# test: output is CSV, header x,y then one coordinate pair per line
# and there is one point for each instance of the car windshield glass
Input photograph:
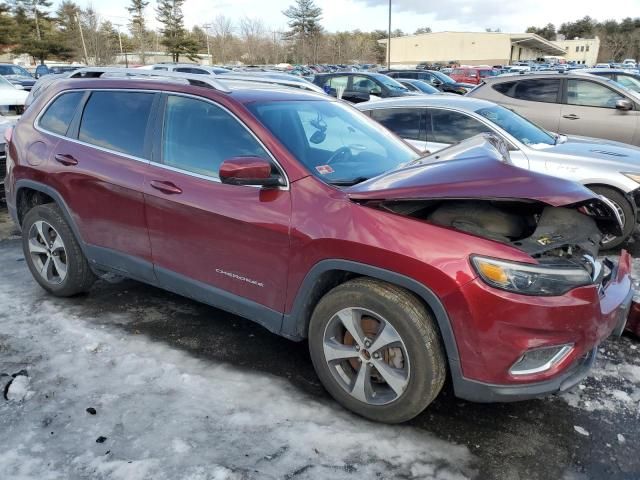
x,y
488,73
13,70
519,127
334,141
390,83
4,83
442,77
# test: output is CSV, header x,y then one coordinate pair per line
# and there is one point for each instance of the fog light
x,y
540,359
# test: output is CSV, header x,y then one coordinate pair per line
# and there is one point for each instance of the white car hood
x,y
598,149
12,96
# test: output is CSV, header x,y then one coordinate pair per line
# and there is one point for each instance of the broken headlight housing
x,y
528,279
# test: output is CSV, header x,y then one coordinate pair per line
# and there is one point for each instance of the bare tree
x,y
222,28
254,35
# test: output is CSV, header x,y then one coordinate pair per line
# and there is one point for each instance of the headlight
x,y
529,279
633,176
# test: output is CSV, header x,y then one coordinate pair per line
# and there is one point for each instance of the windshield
x,y
334,141
13,70
519,127
4,83
488,73
390,83
442,77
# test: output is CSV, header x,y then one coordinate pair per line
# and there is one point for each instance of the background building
x,y
581,50
471,48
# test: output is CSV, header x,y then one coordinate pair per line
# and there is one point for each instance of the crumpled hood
x,y
479,172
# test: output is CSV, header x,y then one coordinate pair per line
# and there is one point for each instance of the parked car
x,y
12,100
360,86
626,78
472,75
17,75
419,86
43,69
188,68
286,207
569,103
437,79
432,123
603,65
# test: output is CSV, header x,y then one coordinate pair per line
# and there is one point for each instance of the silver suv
x,y
574,104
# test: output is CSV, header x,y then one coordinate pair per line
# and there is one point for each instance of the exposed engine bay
x,y
569,235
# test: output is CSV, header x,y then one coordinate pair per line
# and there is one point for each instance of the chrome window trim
x,y
36,125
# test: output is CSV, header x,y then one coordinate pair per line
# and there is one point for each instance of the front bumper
x,y
494,328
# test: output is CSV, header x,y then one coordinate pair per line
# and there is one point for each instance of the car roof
x,y
608,70
434,100
533,76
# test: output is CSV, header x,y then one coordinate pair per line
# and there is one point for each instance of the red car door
x,y
99,170
226,245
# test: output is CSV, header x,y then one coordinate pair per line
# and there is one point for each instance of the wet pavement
x,y
569,437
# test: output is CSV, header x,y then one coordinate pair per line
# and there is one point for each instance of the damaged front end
x,y
558,223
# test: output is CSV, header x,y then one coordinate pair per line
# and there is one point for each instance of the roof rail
x,y
265,79
190,78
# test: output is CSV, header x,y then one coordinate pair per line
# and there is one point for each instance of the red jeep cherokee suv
x,y
298,212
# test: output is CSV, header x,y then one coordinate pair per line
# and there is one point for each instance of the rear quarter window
x,y
58,116
543,90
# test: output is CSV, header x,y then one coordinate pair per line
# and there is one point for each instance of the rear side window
x,y
117,121
191,70
60,113
536,90
452,127
404,122
198,136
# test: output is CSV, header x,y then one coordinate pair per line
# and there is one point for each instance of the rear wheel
x,y
377,350
624,209
53,253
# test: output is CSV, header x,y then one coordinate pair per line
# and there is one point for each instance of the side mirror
x,y
624,104
249,171
435,82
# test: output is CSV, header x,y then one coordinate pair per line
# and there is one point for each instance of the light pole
x,y
84,45
206,33
389,40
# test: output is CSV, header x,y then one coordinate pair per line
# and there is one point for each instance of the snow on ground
x,y
163,414
614,383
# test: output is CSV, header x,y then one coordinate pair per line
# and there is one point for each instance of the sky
x,y
408,15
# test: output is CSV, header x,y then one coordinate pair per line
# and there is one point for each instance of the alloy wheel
x,y
48,252
366,356
609,237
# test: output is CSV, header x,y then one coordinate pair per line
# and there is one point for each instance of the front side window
x,y
198,136
404,122
452,127
58,116
117,121
335,142
627,81
591,94
364,84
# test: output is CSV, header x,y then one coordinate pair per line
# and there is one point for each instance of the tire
x,y
419,362
621,202
47,221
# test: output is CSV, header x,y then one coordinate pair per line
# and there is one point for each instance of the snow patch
x,y
167,415
18,389
581,430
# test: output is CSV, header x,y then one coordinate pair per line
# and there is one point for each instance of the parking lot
x,y
172,380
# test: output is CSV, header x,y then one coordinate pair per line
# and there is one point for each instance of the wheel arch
x,y
30,193
328,274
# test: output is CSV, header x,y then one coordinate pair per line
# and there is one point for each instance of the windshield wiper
x,y
348,183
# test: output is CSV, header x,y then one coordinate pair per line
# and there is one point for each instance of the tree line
x,y
618,40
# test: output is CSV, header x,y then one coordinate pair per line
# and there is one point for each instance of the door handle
x,y
65,159
573,116
166,187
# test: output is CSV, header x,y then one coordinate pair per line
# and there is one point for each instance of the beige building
x,y
580,50
471,48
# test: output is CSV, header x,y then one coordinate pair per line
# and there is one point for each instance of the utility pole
x,y
118,25
84,45
206,33
389,40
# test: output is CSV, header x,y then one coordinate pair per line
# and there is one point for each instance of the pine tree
x,y
169,14
304,23
137,25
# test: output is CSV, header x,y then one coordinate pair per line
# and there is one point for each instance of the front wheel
x,y
377,350
625,210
